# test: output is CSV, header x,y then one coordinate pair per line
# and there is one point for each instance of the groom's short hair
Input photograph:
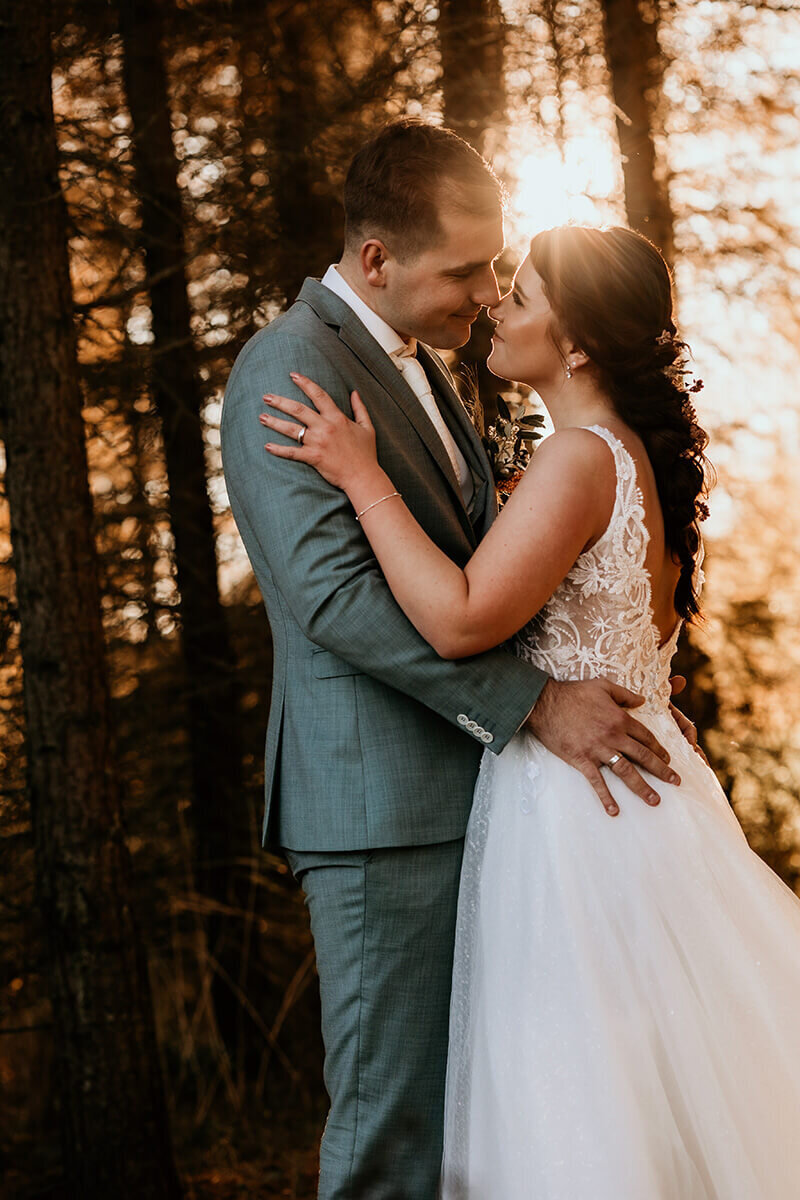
x,y
398,181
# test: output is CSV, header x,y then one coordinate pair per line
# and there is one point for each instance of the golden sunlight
x,y
551,185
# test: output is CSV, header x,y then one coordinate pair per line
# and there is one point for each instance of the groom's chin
x,y
451,338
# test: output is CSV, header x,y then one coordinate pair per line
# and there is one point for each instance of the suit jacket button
x,y
462,719
472,726
487,737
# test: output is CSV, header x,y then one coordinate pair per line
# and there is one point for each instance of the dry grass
x,y
245,1125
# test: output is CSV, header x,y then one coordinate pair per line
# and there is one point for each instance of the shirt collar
x,y
387,338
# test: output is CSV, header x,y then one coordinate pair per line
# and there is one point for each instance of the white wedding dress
x,y
625,1020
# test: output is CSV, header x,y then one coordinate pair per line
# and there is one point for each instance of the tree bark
x,y
471,43
310,222
219,809
114,1119
472,37
634,58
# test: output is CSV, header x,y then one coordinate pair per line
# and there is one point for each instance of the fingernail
x,y
612,810
295,375
653,798
673,778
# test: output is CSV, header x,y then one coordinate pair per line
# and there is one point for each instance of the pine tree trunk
x,y
253,227
114,1119
310,222
219,808
634,57
471,43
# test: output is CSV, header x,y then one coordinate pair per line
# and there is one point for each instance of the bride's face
x,y
522,347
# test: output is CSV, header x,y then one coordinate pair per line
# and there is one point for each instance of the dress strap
x,y
626,527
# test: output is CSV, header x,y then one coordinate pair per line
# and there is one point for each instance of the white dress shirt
x,y
404,356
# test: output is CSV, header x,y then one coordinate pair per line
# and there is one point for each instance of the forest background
x,y
169,174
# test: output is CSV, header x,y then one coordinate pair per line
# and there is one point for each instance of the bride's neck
x,y
577,401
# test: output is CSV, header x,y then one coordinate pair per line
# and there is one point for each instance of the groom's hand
x,y
587,724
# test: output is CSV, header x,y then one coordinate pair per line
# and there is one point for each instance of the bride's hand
x,y
343,451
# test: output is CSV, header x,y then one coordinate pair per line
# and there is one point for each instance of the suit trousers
x,y
383,923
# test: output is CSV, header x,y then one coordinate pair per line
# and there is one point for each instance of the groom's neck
x,y
350,271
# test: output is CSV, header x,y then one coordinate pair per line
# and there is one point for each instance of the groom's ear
x,y
374,257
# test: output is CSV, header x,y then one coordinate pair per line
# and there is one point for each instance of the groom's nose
x,y
485,291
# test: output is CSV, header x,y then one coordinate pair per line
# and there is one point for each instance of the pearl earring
x,y
569,371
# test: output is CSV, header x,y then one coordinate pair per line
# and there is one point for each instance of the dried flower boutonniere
x,y
508,441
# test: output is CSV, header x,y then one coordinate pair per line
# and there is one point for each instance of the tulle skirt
x,y
626,994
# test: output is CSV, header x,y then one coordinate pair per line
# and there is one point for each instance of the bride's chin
x,y
497,363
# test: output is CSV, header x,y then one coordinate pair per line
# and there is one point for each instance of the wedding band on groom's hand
x,y
615,758
302,434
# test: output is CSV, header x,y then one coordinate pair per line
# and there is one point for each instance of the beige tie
x,y
417,380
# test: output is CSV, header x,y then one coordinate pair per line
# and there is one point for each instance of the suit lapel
x,y
379,364
463,431
336,313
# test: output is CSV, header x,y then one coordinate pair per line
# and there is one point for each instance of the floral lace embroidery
x,y
599,620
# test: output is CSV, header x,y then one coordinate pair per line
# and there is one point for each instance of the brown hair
x,y
398,180
611,292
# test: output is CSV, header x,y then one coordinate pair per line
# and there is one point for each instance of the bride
x,y
624,1010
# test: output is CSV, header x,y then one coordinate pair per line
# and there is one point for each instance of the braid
x,y
652,399
611,292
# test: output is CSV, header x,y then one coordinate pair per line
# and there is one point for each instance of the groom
x,y
374,742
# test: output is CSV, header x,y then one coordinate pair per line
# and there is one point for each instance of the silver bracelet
x,y
376,503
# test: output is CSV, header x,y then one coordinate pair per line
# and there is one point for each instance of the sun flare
x,y
550,187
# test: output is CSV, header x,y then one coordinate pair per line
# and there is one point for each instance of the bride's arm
x,y
561,506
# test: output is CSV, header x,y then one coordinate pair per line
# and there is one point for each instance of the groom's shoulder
x,y
300,327
297,323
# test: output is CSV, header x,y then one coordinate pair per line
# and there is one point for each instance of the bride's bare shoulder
x,y
571,481
577,453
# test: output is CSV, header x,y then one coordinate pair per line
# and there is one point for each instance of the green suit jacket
x,y
373,740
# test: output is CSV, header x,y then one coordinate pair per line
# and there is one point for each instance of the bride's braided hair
x,y
611,293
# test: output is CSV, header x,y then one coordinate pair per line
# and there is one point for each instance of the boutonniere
x,y
509,441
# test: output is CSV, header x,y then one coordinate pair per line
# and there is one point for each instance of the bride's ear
x,y
576,357
374,257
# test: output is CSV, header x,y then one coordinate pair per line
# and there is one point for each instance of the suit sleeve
x,y
325,569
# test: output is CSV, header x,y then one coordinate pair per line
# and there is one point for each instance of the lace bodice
x,y
599,620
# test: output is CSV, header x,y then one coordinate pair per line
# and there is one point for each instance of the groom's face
x,y
436,294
